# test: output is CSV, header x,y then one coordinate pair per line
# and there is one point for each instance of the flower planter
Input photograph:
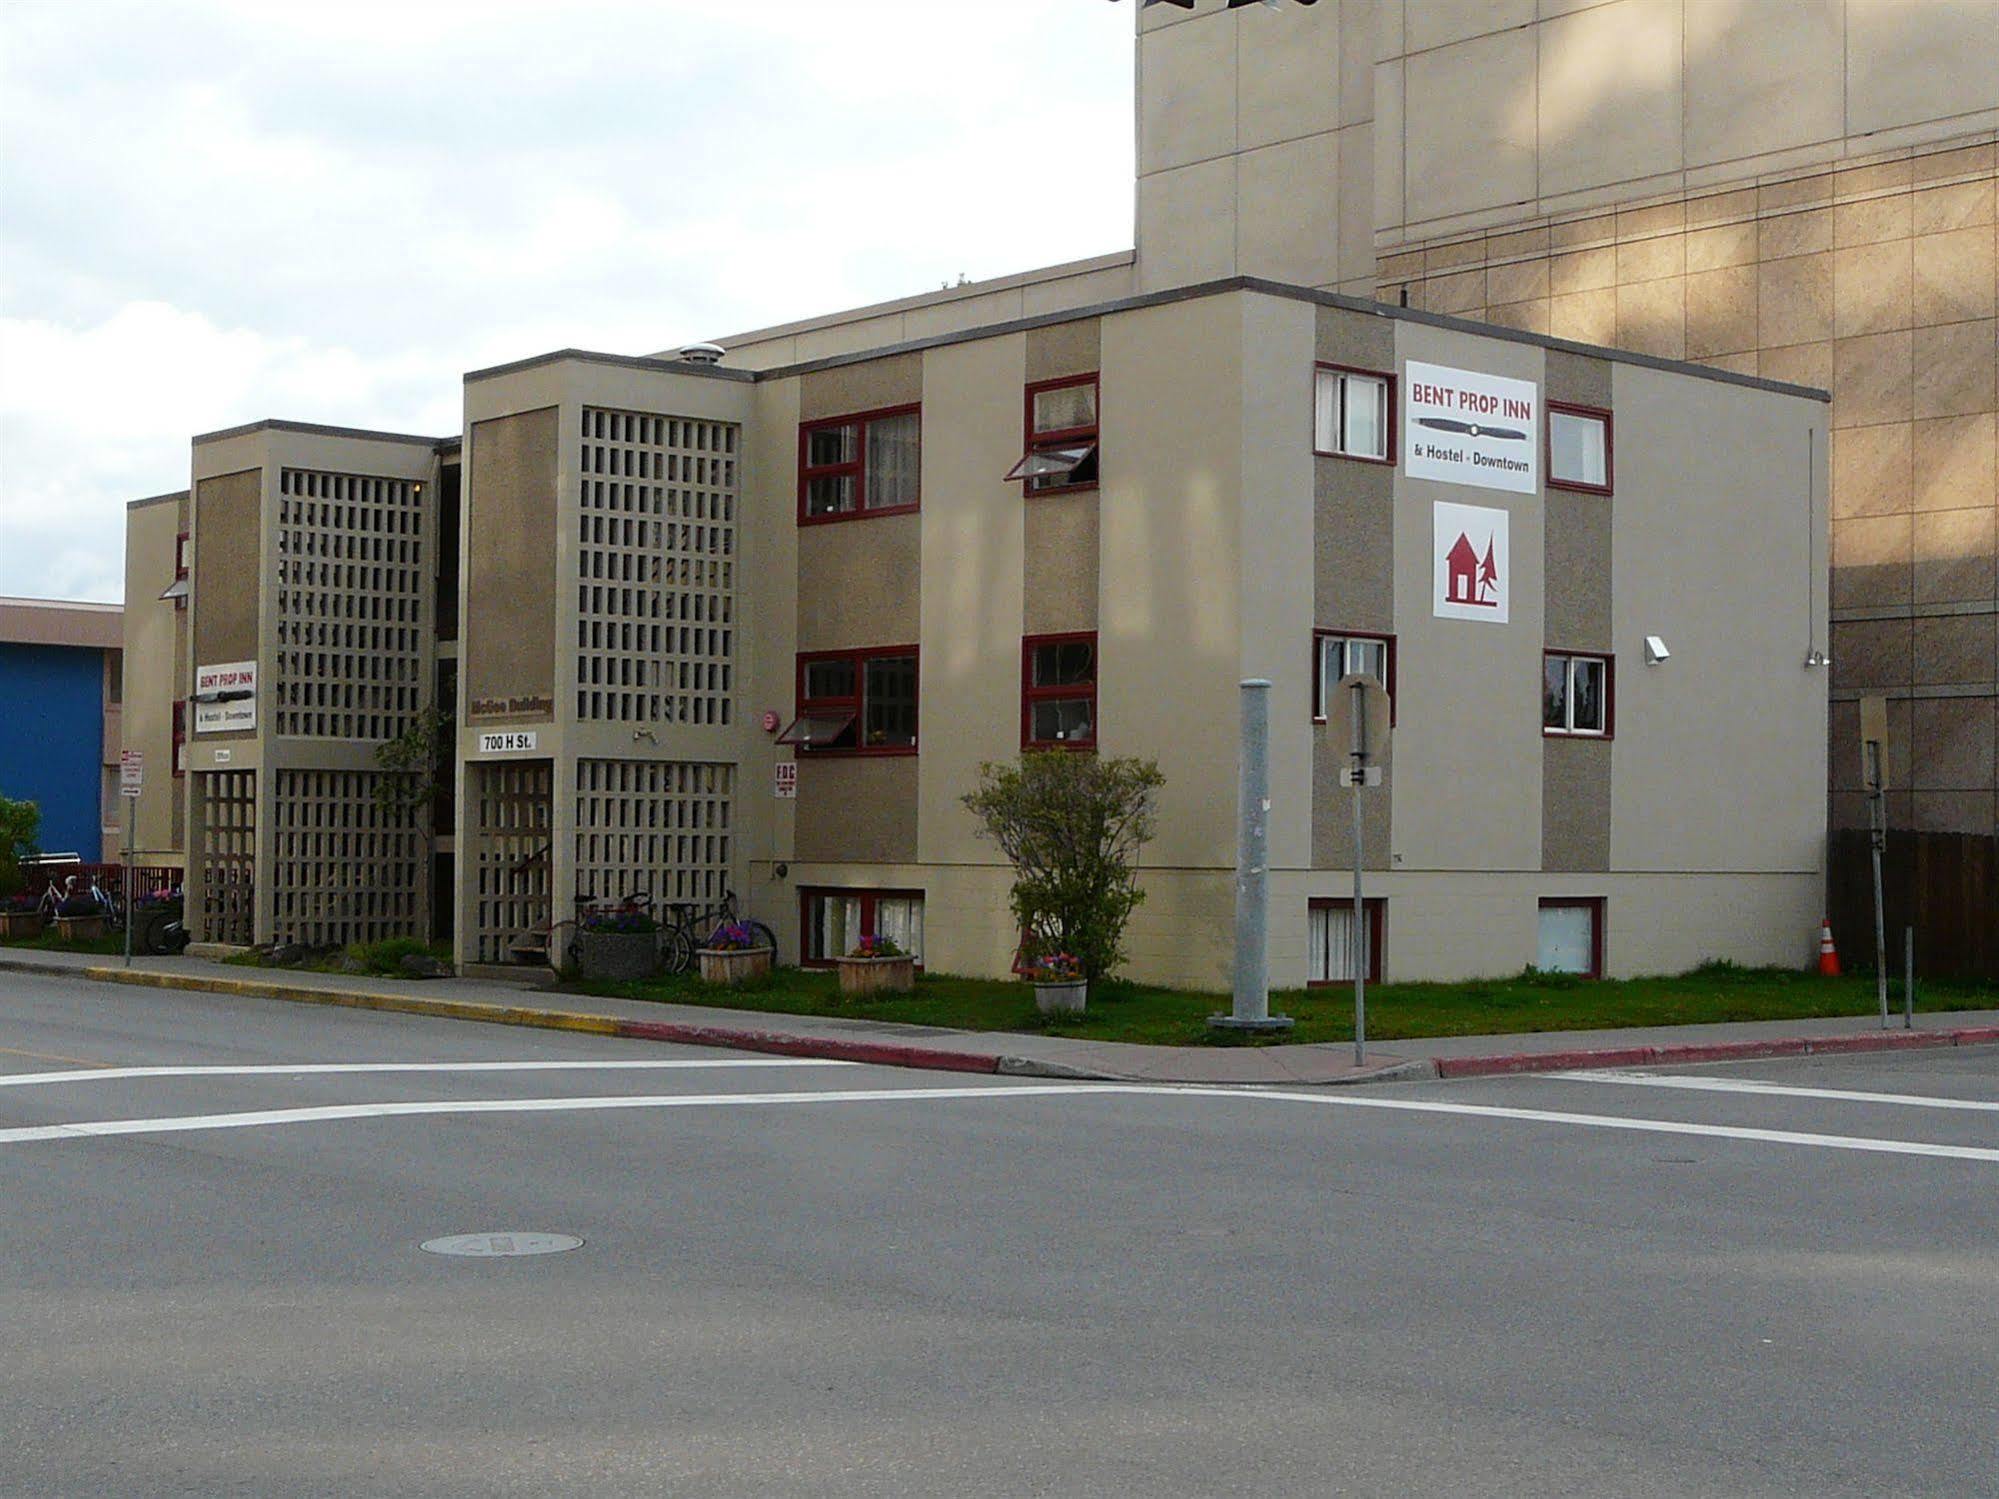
x,y
733,965
877,975
15,925
1061,999
617,957
80,928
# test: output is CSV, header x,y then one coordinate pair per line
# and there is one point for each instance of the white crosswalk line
x,y
107,1127
320,1069
1775,1090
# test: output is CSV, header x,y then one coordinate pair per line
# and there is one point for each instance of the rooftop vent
x,y
703,353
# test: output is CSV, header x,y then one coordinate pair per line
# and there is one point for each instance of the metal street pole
x,y
1251,1002
1878,825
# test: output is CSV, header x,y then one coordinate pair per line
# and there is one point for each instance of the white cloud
x,y
225,210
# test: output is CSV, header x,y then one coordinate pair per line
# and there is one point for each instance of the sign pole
x,y
125,876
1359,905
1877,818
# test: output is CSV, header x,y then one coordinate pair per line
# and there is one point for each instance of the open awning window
x,y
1076,464
820,730
176,589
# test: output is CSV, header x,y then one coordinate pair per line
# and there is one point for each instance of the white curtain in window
x,y
894,449
1568,939
1366,417
1333,946
838,926
900,919
1576,445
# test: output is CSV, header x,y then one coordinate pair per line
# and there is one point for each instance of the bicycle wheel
x,y
767,937
676,950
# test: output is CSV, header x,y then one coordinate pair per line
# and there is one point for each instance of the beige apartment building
x,y
725,630
1798,195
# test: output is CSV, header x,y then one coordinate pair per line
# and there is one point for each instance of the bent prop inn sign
x,y
1464,427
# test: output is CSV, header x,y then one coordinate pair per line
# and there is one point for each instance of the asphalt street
x,y
1778,1278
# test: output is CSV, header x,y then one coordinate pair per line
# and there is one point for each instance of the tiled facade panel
x,y
509,859
1878,281
350,605
656,558
343,868
652,826
226,854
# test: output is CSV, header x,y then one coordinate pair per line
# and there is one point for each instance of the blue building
x,y
61,691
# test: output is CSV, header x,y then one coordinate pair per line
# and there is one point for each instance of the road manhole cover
x,y
490,1246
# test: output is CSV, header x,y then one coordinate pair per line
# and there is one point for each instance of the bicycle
x,y
687,925
92,900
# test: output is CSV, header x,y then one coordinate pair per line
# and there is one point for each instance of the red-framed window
x,y
180,555
1332,940
1058,691
1353,413
856,702
180,737
1579,448
1337,654
1570,939
869,463
832,922
1060,435
1578,694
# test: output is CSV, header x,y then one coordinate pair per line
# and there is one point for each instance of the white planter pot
x,y
1061,999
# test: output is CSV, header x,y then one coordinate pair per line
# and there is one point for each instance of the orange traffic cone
x,y
1828,954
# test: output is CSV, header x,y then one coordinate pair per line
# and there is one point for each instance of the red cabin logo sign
x,y
1471,572
1472,579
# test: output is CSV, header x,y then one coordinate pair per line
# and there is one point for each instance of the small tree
x,y
20,825
1072,826
414,765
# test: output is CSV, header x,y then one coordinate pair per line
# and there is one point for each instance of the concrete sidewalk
x,y
1025,1054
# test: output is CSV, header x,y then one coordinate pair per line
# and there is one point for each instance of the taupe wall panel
x,y
228,540
1578,379
896,381
1061,548
859,809
1575,804
1063,349
858,583
1353,542
1579,576
509,588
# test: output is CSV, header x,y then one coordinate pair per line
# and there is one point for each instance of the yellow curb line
x,y
356,999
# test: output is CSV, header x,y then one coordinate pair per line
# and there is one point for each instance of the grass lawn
x,y
1178,1017
377,959
49,941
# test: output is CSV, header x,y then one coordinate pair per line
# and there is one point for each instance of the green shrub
x,y
386,956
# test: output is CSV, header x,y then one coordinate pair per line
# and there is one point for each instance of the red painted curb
x,y
1715,1051
1542,1061
1732,1051
876,1053
1886,1041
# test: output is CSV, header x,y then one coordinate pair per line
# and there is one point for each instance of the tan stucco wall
x,y
1728,585
1169,633
154,660
974,584
228,533
509,578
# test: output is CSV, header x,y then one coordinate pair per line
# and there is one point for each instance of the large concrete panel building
x,y
1791,198
674,577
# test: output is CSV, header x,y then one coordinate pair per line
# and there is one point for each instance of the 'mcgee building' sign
x,y
1463,427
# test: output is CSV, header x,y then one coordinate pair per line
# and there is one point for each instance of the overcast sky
x,y
213,211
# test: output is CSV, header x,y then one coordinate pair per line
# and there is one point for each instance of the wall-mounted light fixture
x,y
1815,658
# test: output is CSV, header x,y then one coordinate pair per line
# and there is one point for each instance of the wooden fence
x,y
1945,885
